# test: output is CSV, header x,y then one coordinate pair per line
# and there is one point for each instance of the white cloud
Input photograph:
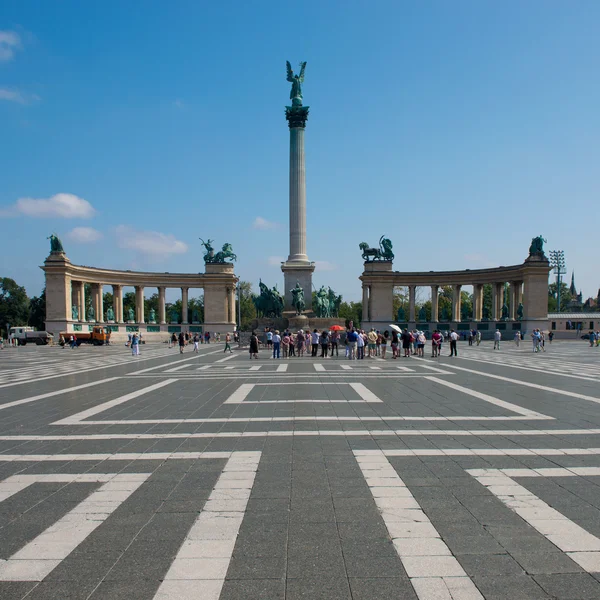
x,y
14,95
9,42
275,261
325,265
84,235
65,206
261,223
152,243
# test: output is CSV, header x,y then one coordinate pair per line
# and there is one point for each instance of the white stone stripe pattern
x,y
130,456
399,433
44,553
487,398
60,392
579,545
433,571
90,412
200,566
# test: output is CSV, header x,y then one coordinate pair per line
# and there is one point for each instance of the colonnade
x,y
528,285
79,301
66,288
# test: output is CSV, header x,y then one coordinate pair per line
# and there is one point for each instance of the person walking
x,y
394,344
384,342
314,340
352,337
551,336
436,342
497,338
276,339
478,337
300,342
253,345
292,344
334,338
517,338
372,340
285,344
421,339
453,340
196,340
324,341
406,335
360,345
269,339
228,343
134,345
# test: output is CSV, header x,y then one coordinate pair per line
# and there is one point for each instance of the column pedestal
x,y
297,272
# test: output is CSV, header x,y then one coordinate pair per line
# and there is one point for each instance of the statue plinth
x,y
298,322
214,268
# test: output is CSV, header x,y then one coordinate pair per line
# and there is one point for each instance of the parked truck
x,y
24,335
97,336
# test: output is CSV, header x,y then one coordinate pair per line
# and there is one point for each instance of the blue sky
x,y
459,129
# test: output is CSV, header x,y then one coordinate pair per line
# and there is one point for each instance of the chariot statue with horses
x,y
383,253
225,253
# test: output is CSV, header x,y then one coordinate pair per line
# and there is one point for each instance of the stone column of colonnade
x,y
184,305
477,302
231,296
98,301
162,307
118,303
456,300
79,287
365,304
139,303
434,303
412,292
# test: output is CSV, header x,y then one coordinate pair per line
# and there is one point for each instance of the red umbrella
x,y
336,328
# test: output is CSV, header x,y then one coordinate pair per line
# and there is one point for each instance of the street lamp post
x,y
557,260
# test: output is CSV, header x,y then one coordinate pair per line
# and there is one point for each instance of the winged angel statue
x,y
296,81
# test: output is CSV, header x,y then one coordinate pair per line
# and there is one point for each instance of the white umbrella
x,y
396,328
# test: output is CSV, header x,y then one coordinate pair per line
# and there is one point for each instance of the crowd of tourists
x,y
355,343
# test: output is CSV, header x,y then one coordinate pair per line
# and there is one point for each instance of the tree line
x,y
16,308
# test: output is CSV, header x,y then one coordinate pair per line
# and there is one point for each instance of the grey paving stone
x,y
253,589
570,586
15,590
382,588
318,589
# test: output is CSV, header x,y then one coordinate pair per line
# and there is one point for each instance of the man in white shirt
x,y
497,338
276,339
314,341
453,340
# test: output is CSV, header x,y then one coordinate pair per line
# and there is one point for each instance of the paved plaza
x,y
212,476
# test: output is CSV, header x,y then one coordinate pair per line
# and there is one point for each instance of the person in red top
x,y
436,340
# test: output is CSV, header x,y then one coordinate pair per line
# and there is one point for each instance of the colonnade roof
x,y
375,272
215,274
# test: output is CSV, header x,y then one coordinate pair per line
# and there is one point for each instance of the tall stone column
x,y
412,289
366,317
495,315
118,302
139,303
184,305
232,305
512,314
456,303
477,302
162,311
298,267
59,293
98,290
434,303
81,300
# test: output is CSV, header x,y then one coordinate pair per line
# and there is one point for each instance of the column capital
x,y
296,116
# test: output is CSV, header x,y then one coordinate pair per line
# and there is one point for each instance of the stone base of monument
x,y
295,322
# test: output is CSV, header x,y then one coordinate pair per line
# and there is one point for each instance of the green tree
x,y
400,300
565,297
247,308
128,302
37,311
351,311
196,304
14,304
107,300
487,300
445,302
